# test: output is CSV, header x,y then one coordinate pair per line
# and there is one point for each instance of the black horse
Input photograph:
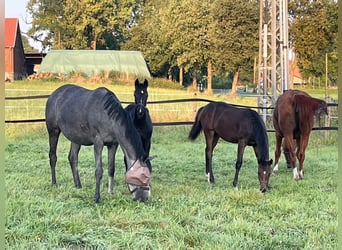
x,y
143,124
140,92
96,117
237,125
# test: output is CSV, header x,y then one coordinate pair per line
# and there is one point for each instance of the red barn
x,y
14,51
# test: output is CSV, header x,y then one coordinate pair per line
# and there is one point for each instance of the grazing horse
x,y
143,124
236,125
140,92
96,117
293,119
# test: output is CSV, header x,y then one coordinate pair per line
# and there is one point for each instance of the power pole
x,y
273,74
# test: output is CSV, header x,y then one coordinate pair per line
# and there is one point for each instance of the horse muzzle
x,y
140,193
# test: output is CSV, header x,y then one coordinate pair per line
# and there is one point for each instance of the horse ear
x,y
145,83
136,83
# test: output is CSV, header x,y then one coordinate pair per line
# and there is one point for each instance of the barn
x,y
92,62
14,51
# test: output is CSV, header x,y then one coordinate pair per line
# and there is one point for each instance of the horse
x,y
293,119
140,92
96,117
241,126
142,122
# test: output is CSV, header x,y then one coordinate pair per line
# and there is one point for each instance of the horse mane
x,y
111,104
261,137
115,111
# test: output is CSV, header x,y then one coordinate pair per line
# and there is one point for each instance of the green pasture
x,y
184,211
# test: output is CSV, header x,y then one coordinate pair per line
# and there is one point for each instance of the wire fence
x,y
331,121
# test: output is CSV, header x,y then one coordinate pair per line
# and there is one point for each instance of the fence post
x,y
327,118
194,107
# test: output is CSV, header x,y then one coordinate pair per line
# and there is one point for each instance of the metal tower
x,y
273,74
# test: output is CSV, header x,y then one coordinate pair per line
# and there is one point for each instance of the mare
x,y
96,117
140,92
293,119
241,126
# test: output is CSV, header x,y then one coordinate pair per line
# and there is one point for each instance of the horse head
x,y
140,92
322,108
264,173
140,111
138,179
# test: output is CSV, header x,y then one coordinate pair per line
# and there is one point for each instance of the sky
x,y
17,8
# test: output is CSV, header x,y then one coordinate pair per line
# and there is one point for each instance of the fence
x,y
195,103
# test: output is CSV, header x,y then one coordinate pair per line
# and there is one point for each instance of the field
x,y
184,212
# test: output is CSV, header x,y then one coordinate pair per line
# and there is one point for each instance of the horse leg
x,y
277,152
53,140
211,139
301,147
241,149
73,160
111,167
289,152
98,147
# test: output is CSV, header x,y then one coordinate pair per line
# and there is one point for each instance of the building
x,y
14,51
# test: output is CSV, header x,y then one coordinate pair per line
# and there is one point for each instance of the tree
x,y
193,35
234,36
313,33
68,24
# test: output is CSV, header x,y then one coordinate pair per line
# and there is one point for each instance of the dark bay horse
x,y
96,117
293,119
236,125
140,92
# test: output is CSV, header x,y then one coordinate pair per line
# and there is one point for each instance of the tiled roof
x,y
11,26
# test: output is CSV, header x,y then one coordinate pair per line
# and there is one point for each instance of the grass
x,y
184,211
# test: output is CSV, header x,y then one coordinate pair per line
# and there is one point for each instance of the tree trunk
x,y
194,82
210,78
181,74
169,74
235,83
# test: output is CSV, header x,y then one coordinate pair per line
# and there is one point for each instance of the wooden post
x,y
327,118
194,106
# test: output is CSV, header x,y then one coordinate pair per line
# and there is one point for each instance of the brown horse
x,y
293,119
237,125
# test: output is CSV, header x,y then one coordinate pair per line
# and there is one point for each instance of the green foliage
x,y
190,33
313,33
68,24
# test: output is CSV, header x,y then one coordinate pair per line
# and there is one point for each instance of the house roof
x,y
11,29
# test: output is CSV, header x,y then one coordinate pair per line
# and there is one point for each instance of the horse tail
x,y
196,127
